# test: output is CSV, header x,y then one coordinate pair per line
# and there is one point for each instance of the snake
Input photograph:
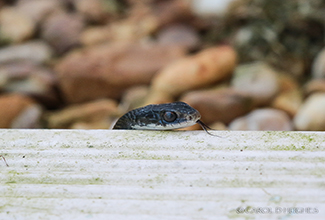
x,y
166,116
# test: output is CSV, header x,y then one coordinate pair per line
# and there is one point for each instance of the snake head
x,y
159,117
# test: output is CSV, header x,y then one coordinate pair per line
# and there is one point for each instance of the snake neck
x,y
124,122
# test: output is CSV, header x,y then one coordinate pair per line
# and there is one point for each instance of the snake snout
x,y
193,117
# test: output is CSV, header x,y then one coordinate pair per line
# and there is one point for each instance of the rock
x,y
221,105
121,31
210,7
318,66
18,111
30,117
133,29
289,97
35,51
289,101
317,85
29,79
95,35
257,80
96,10
107,70
311,116
178,34
38,10
201,70
139,25
295,66
15,26
96,112
62,31
263,120
287,83
125,31
169,12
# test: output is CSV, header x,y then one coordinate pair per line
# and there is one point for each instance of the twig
x,y
4,159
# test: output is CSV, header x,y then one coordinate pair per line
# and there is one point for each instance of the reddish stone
x,y
221,105
13,111
62,31
193,72
107,70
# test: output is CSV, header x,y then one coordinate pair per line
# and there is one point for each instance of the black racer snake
x,y
161,117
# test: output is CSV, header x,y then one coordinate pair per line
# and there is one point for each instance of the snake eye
x,y
169,116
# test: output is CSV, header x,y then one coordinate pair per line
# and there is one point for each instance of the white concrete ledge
x,y
105,174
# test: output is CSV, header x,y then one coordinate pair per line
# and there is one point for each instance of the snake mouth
x,y
194,117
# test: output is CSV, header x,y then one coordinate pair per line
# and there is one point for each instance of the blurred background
x,y
244,64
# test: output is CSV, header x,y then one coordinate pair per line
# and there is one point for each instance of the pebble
x,y
311,115
313,86
95,35
95,112
138,26
222,105
27,78
38,10
318,65
30,117
288,101
257,80
107,70
122,31
204,69
19,111
35,51
267,119
97,11
289,97
62,31
287,83
132,29
179,34
210,7
15,26
171,12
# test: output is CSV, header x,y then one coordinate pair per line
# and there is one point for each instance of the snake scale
x,y
161,117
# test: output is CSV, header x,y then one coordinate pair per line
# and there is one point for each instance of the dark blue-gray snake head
x,y
159,117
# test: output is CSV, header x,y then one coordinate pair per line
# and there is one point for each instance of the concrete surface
x,y
105,174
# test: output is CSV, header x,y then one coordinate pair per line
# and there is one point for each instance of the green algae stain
x,y
290,147
292,141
